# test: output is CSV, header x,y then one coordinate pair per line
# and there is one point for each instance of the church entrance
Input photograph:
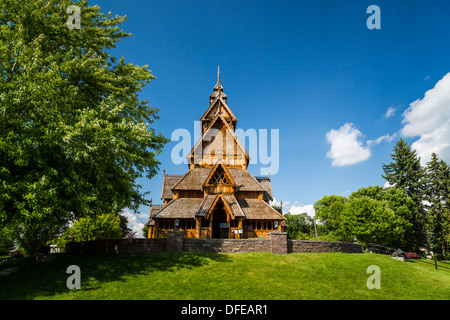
x,y
220,227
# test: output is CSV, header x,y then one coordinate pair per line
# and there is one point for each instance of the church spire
x,y
218,87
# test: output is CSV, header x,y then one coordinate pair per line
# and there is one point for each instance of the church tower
x,y
217,197
218,142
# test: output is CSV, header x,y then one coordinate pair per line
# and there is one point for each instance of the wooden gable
x,y
218,105
214,146
219,175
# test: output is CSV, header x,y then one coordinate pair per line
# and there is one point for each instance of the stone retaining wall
x,y
276,242
226,245
117,246
297,246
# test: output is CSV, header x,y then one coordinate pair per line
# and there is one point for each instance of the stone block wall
x,y
276,242
116,246
297,246
226,245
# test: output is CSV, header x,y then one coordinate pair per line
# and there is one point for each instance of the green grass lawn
x,y
220,276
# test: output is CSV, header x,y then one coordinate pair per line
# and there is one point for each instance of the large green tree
x,y
330,211
405,172
299,226
379,215
74,134
438,203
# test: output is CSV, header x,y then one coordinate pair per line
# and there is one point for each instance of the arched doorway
x,y
220,227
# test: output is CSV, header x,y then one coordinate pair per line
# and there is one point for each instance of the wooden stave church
x,y
217,197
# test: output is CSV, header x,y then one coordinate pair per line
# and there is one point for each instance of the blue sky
x,y
311,69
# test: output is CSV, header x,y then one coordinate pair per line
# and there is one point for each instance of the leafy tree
x,y
379,215
330,211
438,197
74,135
299,226
405,172
371,221
145,231
103,226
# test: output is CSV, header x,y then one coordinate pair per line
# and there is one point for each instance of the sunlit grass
x,y
220,276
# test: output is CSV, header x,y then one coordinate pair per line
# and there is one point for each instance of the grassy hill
x,y
217,276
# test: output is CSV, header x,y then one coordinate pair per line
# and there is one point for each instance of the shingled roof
x,y
193,207
180,208
255,209
234,204
169,181
217,144
193,179
245,181
206,204
153,210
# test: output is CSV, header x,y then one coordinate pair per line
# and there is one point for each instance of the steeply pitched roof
x,y
206,205
180,208
229,132
220,101
168,182
154,209
234,205
255,209
193,179
244,180
194,207
219,97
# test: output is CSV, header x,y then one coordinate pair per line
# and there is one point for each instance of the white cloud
x,y
429,119
377,141
298,209
133,223
388,185
390,112
346,149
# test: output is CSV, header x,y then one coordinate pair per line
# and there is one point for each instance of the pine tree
x,y
437,204
405,172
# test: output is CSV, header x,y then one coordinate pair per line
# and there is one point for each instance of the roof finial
x,y
218,73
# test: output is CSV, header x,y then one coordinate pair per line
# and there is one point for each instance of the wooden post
x,y
156,232
150,232
240,226
197,227
229,224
